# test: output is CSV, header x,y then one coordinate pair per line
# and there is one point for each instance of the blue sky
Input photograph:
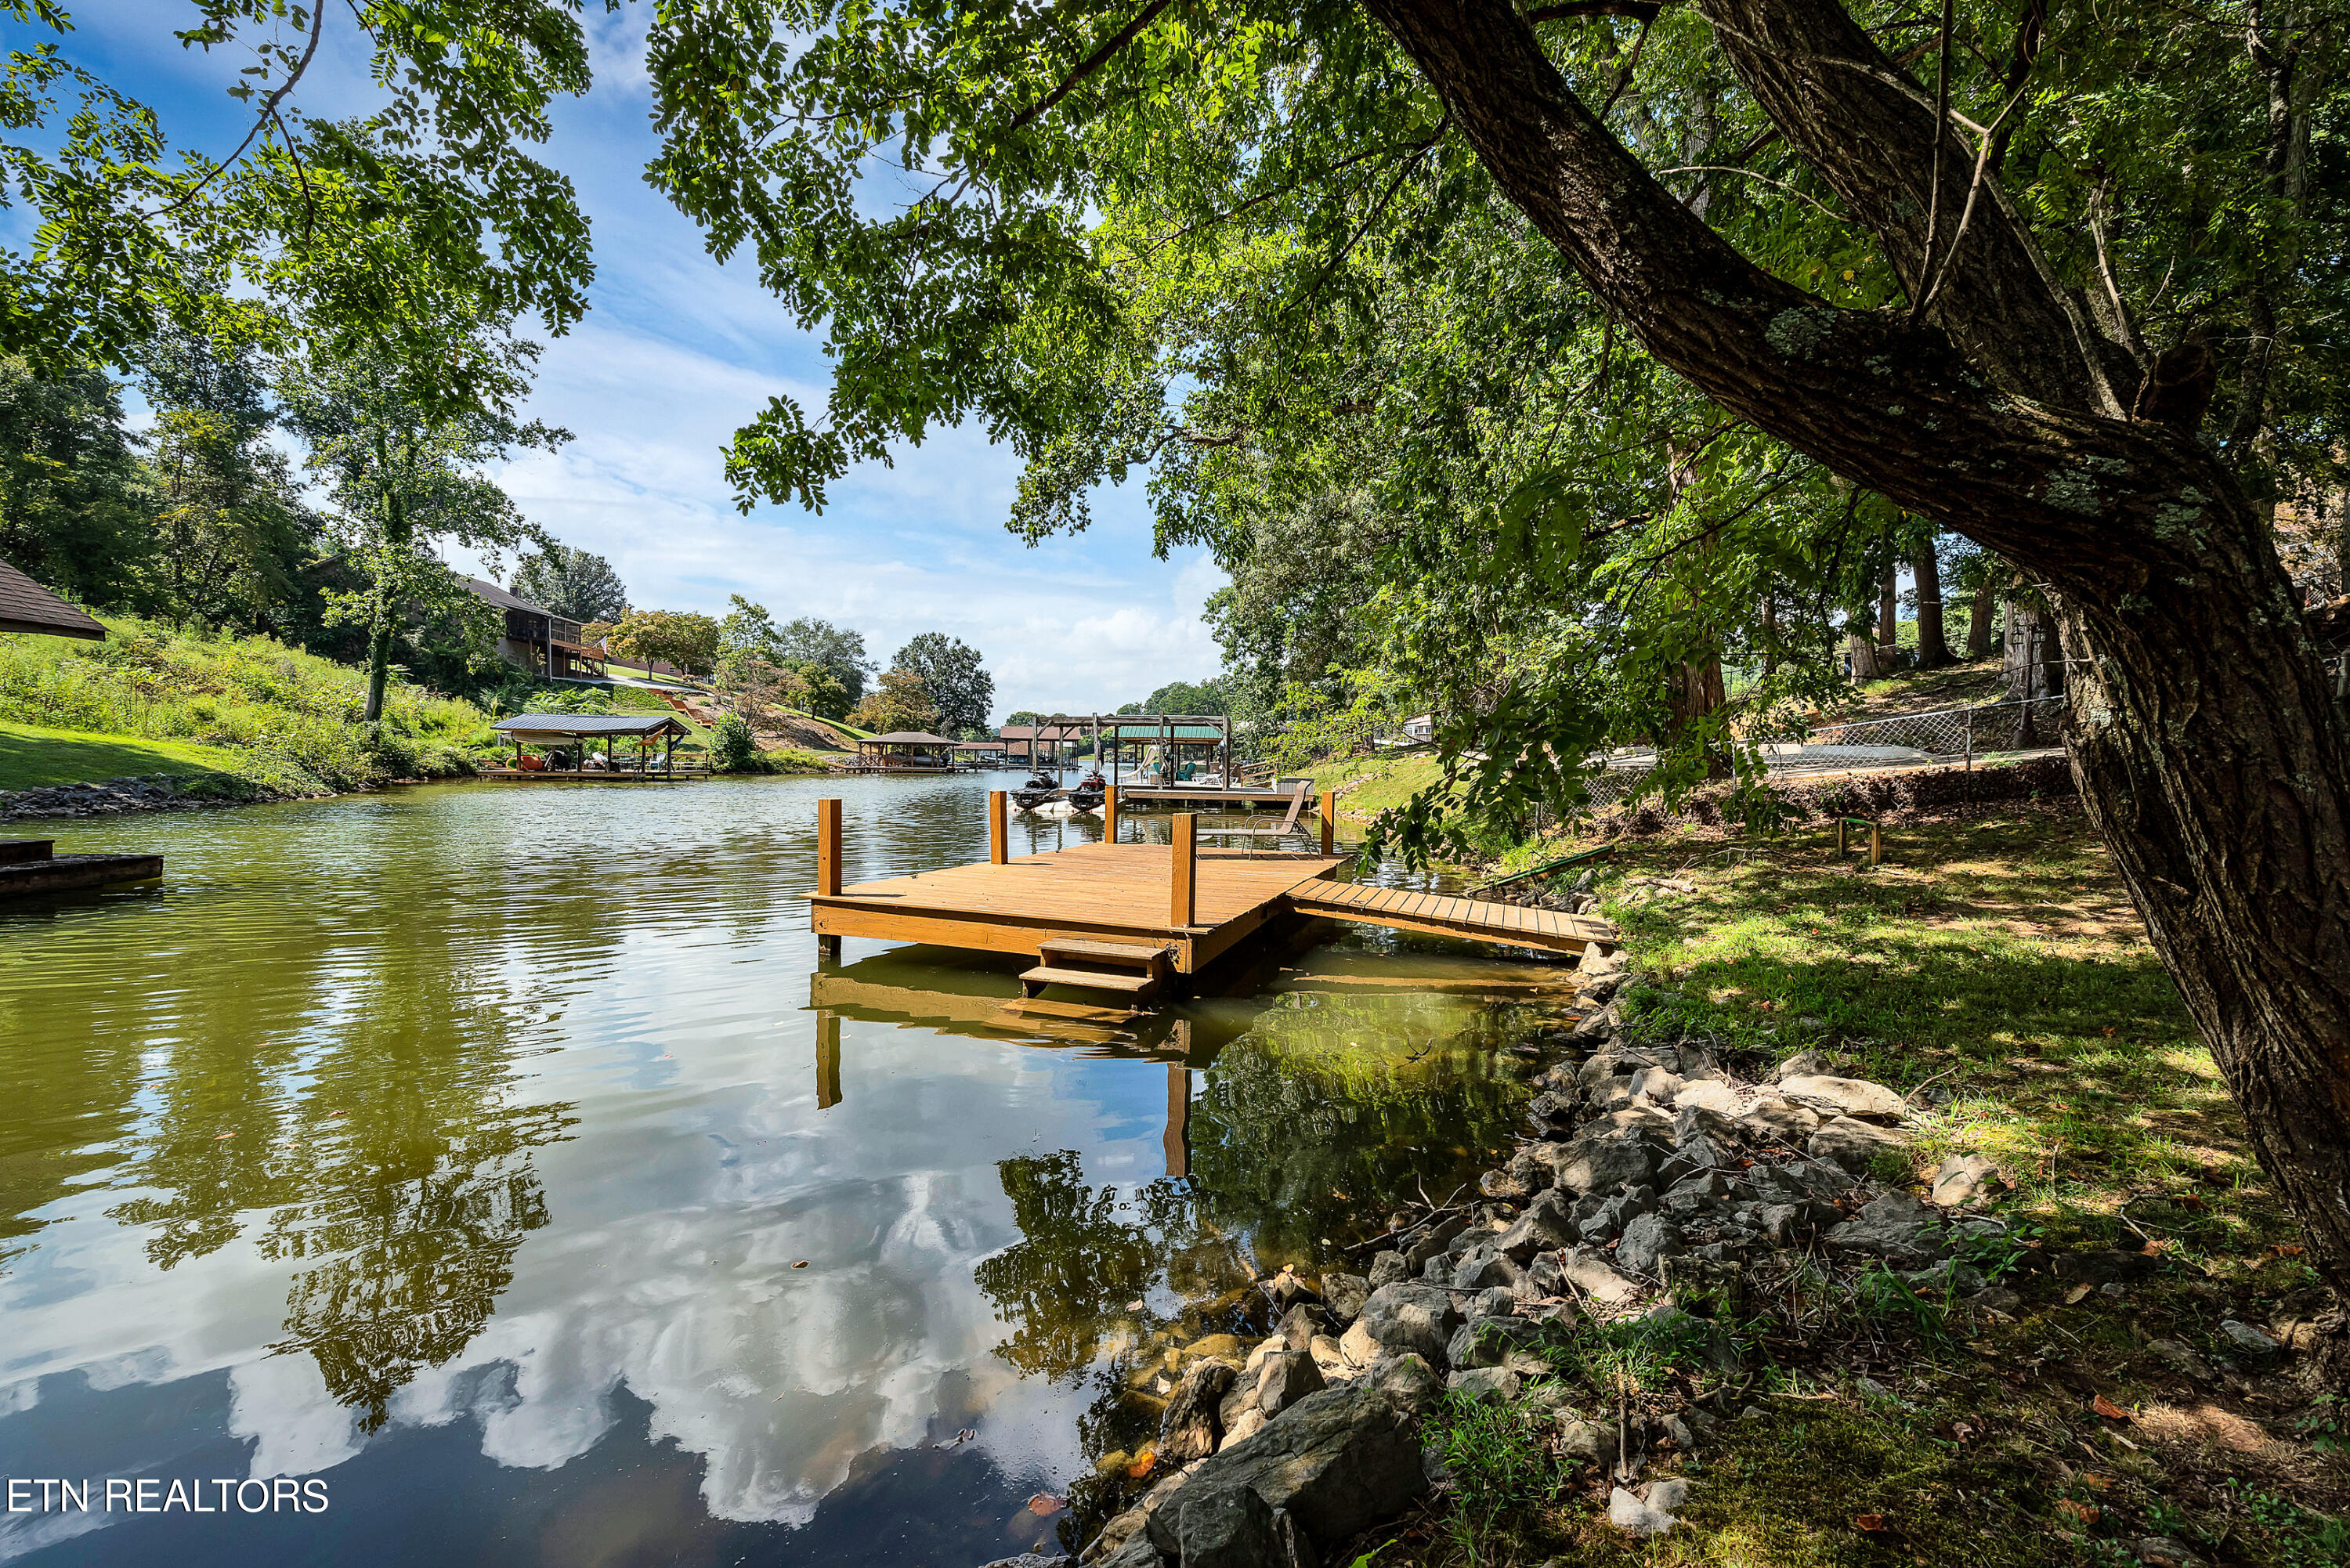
x,y
676,352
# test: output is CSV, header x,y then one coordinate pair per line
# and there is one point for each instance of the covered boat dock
x,y
569,743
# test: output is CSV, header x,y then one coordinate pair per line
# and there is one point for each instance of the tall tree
x,y
679,638
840,650
1926,572
898,703
574,584
75,499
1874,298
405,476
233,531
958,686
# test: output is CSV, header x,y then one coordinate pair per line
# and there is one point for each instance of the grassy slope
x,y
1998,959
290,719
1368,786
32,758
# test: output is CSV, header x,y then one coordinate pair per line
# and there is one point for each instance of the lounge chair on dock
x,y
1288,823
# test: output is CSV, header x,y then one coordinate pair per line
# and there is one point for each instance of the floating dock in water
x,y
29,865
1137,919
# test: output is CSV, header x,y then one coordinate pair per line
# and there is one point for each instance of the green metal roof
x,y
1152,732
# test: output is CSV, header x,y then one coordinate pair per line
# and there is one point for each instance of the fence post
x,y
1971,740
1109,814
1329,815
998,852
1184,904
1875,844
1844,837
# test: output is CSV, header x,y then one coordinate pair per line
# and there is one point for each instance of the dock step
x,y
1128,982
15,851
1150,956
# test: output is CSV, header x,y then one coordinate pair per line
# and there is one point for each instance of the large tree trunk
x,y
1933,643
2203,735
1888,617
1978,620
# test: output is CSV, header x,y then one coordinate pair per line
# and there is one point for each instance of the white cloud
x,y
915,546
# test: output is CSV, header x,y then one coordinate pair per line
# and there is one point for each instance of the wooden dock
x,y
1135,919
1240,800
29,865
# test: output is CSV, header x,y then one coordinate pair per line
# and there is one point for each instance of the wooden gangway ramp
x,y
1131,919
1445,914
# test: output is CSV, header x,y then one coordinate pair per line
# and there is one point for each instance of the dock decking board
x,y
1118,893
1444,914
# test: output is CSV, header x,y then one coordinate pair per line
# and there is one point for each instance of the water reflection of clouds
x,y
679,1213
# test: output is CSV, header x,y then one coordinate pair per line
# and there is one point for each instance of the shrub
x,y
732,745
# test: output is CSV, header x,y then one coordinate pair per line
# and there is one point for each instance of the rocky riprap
x,y
110,797
1658,1186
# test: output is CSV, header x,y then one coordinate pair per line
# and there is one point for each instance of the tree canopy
x,y
1641,330
958,686
574,584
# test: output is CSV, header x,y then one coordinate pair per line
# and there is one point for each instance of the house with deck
x,y
537,640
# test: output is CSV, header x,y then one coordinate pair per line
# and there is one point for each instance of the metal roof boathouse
x,y
567,742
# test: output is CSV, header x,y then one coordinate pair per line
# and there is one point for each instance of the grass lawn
x,y
35,758
1368,786
1999,957
1996,965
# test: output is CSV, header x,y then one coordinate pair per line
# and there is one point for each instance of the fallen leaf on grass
x,y
2108,1409
2072,1296
1868,1524
1045,1502
2080,1510
2288,1248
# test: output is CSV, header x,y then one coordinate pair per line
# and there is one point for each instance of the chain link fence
x,y
1904,740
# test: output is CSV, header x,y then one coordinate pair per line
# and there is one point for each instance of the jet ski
x,y
1088,793
1036,793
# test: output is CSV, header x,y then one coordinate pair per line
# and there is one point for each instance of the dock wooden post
x,y
997,852
1184,908
827,1059
827,868
1329,821
1177,1139
1109,813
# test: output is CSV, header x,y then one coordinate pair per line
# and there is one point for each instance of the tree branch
x,y
1642,11
1087,66
261,120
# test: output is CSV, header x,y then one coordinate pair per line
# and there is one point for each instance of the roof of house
x,y
26,605
908,738
572,726
491,592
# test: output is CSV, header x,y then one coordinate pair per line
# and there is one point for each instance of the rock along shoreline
x,y
1656,1179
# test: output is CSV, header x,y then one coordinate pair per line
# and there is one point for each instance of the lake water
x,y
496,1158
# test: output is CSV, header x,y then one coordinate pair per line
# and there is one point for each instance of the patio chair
x,y
1288,823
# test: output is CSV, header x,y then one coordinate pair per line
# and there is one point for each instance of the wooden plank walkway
x,y
1444,914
